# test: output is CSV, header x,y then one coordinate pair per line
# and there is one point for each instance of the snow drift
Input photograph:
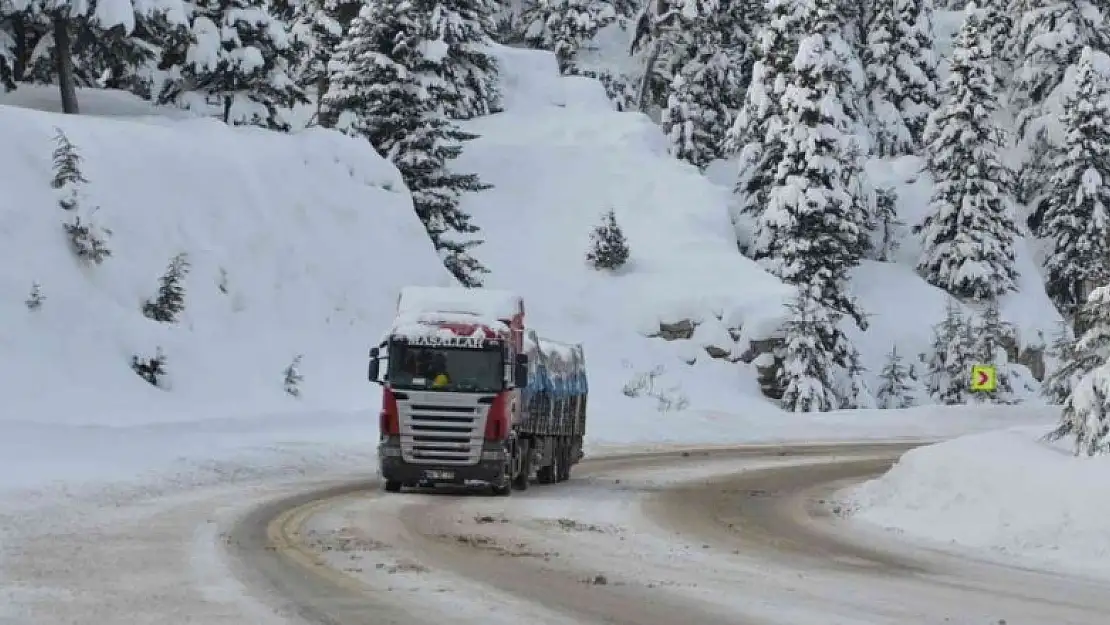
x,y
1004,493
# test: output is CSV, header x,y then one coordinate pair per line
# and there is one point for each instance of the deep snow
x,y
1003,494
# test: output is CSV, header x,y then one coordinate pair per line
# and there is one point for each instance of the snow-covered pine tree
x,y
808,374
696,119
318,27
886,228
562,26
813,229
608,247
998,26
948,365
895,390
901,73
1058,384
457,41
1086,413
170,301
1077,220
1047,41
379,90
238,63
969,232
991,335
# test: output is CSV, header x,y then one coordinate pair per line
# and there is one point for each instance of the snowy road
x,y
724,537
736,537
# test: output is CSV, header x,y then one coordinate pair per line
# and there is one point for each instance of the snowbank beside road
x,y
1002,493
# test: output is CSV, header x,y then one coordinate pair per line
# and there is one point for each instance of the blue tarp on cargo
x,y
556,368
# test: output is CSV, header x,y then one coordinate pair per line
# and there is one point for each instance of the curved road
x,y
738,536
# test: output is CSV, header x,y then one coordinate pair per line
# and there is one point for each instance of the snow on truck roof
x,y
486,303
445,324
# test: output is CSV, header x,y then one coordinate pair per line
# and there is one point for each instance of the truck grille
x,y
442,428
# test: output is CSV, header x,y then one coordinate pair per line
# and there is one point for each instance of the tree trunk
x,y
63,60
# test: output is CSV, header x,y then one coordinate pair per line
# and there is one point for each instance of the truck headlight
x,y
389,451
493,454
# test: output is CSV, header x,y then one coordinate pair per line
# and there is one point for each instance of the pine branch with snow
x,y
894,383
317,29
969,232
1076,222
379,90
170,301
608,247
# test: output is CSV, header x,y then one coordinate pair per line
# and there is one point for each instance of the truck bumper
x,y
491,468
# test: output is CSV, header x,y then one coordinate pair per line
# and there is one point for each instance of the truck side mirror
x,y
375,365
521,370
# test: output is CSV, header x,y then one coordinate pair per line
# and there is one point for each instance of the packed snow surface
x,y
1004,494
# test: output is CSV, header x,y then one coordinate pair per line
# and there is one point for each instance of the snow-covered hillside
x,y
294,242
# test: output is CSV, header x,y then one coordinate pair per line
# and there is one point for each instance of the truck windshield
x,y
469,370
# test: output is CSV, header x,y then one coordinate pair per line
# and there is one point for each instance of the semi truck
x,y
471,395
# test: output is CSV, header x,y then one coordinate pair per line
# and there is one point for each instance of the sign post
x,y
984,378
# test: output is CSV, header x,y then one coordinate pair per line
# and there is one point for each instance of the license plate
x,y
439,475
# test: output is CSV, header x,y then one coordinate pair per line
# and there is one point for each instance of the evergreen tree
x,y
457,42
949,362
1047,41
170,301
998,27
901,74
894,383
991,335
383,88
885,226
696,118
969,233
240,60
562,26
608,247
813,229
1086,413
318,27
808,371
1077,218
1057,386
756,133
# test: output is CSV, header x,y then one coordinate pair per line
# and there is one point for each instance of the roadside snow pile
x,y
1004,493
295,245
559,158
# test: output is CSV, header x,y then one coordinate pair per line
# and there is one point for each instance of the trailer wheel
x,y
548,473
521,480
392,486
564,464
